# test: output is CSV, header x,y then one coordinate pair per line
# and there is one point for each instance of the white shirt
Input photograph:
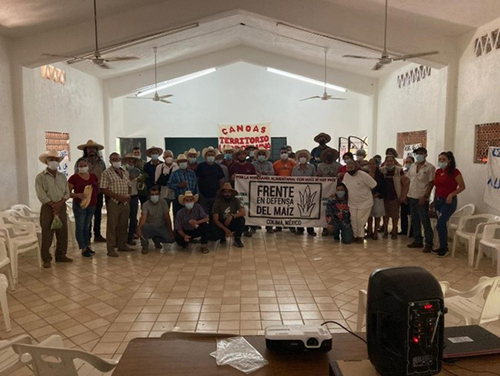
x,y
419,181
162,168
359,188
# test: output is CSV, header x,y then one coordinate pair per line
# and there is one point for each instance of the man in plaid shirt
x,y
115,184
182,180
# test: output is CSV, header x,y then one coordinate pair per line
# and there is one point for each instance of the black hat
x,y
419,150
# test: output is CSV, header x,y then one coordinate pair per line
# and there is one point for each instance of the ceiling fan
x,y
97,58
386,59
325,96
156,97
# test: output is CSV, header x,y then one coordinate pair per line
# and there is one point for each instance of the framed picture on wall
x,y
126,144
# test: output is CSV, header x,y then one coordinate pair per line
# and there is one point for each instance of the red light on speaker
x,y
416,340
428,306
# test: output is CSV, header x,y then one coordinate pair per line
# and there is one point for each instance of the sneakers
x,y
427,249
415,245
443,253
145,250
112,253
91,250
238,243
99,239
86,253
64,259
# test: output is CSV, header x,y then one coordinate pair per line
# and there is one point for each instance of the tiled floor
x,y
100,304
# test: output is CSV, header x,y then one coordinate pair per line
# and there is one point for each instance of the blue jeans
x,y
444,212
159,233
339,229
83,220
419,218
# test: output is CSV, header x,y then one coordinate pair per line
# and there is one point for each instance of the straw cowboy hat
x,y
192,151
323,134
210,148
50,154
303,151
262,150
227,185
239,151
187,194
181,157
90,144
153,148
130,156
227,148
327,151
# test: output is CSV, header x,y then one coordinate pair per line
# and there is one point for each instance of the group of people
x,y
204,203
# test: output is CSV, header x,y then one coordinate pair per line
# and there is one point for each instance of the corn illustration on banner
x,y
287,201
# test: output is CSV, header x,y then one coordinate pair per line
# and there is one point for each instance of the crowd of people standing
x,y
372,195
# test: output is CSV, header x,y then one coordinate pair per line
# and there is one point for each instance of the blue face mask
x,y
154,199
192,160
228,156
419,158
442,165
261,158
340,194
183,165
155,156
378,161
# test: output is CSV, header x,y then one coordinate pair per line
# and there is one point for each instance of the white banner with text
x,y
286,201
238,136
492,191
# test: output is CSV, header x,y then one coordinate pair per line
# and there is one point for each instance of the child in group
x,y
338,216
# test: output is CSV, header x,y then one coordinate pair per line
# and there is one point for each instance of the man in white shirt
x,y
421,175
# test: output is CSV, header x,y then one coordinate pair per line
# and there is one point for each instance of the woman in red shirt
x,y
77,184
449,183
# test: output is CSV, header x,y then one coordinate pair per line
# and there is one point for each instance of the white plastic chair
x,y
363,299
470,229
479,305
491,239
9,360
26,211
5,261
4,285
464,211
50,358
71,223
20,237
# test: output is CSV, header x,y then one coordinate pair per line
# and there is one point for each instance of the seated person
x,y
191,222
229,215
338,216
155,221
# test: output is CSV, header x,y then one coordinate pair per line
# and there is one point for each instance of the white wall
x,y
76,107
8,182
477,103
244,93
419,106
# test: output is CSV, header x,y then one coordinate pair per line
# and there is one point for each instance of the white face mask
x,y
284,156
183,165
252,154
192,160
154,199
169,160
83,170
189,205
116,164
53,165
303,160
210,159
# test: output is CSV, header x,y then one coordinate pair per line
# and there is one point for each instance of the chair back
x,y
491,232
3,250
491,308
464,211
25,210
470,223
58,361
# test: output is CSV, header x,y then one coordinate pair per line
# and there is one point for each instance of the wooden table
x,y
189,354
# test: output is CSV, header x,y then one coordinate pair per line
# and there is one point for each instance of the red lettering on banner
x,y
256,129
239,128
248,128
263,130
224,131
231,130
266,138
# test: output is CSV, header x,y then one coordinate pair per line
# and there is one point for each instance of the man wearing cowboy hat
x,y
130,161
329,167
228,156
210,177
162,175
52,191
97,166
241,166
191,222
182,180
261,164
229,215
192,156
304,168
115,184
154,153
250,149
322,139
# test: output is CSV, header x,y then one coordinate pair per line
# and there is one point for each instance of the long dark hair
x,y
452,165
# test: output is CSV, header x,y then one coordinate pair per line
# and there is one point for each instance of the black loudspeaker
x,y
405,322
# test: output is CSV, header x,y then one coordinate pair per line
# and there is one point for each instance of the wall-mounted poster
x,y
238,136
492,191
486,135
408,141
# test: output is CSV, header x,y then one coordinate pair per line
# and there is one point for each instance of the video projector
x,y
287,338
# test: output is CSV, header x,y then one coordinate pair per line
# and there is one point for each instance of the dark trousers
x,y
132,225
83,219
142,199
207,203
405,212
419,218
46,218
237,226
177,207
341,229
444,212
202,231
98,216
116,227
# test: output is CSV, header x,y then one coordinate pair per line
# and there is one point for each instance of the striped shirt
x,y
181,175
115,183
